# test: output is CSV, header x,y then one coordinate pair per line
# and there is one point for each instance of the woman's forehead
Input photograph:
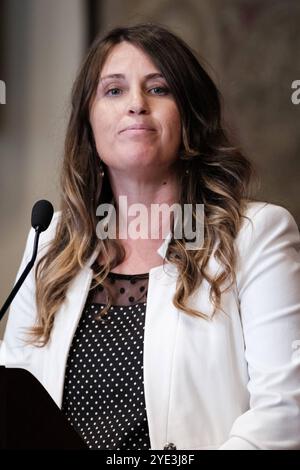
x,y
124,57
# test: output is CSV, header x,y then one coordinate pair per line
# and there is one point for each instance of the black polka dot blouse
x,y
104,389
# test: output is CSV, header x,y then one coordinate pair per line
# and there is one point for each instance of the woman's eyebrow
x,y
121,76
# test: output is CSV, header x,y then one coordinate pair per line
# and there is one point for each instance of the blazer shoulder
x,y
260,218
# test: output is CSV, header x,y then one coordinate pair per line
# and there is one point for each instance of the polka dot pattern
x,y
126,289
104,388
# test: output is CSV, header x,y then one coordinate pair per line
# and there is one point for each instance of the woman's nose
x,y
137,104
136,109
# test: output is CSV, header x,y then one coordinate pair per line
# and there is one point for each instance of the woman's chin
x,y
139,162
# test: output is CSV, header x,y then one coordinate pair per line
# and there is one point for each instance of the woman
x,y
142,342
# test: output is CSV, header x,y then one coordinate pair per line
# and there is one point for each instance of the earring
x,y
101,170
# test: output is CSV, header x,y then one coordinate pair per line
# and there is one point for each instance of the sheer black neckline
x,y
121,289
111,274
127,276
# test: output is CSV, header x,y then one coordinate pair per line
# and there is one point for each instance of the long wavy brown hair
x,y
218,176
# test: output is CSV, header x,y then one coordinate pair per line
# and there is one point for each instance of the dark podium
x,y
29,418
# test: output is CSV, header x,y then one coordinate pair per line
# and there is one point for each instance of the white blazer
x,y
229,383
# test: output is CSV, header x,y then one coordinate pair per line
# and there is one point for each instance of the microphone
x,y
41,216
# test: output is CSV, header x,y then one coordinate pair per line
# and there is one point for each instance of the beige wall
x,y
45,41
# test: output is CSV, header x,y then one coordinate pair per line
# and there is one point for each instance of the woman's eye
x,y
112,89
164,89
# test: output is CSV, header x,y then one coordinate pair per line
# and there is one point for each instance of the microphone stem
x,y
23,275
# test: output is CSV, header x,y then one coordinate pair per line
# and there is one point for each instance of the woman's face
x,y
134,98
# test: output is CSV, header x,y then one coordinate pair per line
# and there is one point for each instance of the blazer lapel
x,y
159,343
66,321
161,325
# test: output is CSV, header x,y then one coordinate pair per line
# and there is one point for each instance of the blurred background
x,y
251,49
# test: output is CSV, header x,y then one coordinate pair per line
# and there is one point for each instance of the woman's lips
x,y
138,130
138,126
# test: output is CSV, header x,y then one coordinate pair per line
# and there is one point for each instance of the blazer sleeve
x,y
268,283
13,351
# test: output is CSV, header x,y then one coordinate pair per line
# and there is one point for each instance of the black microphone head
x,y
41,215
